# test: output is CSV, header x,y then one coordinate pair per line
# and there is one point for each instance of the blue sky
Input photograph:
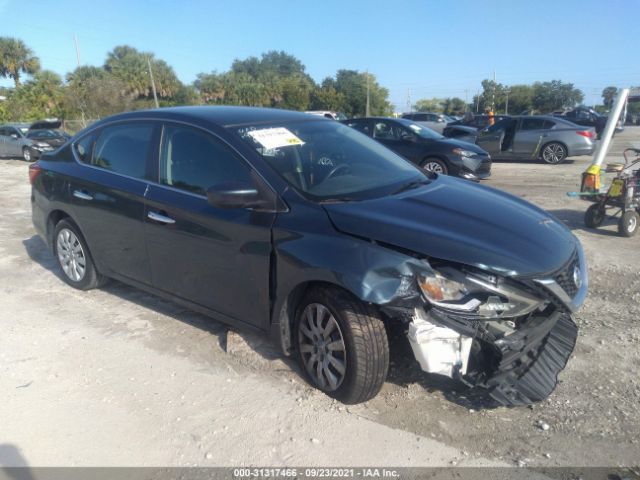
x,y
426,48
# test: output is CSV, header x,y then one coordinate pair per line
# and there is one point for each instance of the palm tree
x,y
16,58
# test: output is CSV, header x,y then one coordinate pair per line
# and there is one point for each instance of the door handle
x,y
158,217
82,195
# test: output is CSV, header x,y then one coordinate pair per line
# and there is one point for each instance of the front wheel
x,y
434,165
341,345
27,155
554,153
628,224
594,216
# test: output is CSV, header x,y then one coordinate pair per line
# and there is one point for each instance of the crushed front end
x,y
503,335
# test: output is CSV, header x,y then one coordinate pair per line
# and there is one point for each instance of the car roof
x,y
223,116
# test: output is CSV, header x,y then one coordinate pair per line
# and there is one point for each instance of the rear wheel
x,y
26,154
594,216
341,345
72,253
434,165
628,224
554,153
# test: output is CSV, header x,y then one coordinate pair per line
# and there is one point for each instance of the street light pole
x,y
153,84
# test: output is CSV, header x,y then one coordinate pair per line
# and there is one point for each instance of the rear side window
x,y
83,147
364,127
124,149
193,160
536,124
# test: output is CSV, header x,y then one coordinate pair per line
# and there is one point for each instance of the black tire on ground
x,y
436,165
594,216
628,224
359,368
27,154
553,153
72,254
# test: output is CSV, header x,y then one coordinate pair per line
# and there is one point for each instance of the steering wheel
x,y
334,171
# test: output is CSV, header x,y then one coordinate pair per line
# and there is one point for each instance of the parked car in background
x,y
584,116
29,141
551,139
434,121
328,114
306,230
426,148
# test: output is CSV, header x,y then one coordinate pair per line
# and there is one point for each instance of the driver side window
x,y
386,131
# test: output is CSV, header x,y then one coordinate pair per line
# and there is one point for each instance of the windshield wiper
x,y
411,185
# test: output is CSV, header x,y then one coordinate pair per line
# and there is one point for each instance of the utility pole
x,y
478,101
493,100
466,99
75,41
506,107
153,84
367,110
409,107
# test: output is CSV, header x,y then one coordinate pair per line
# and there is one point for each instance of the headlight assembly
x,y
484,296
464,153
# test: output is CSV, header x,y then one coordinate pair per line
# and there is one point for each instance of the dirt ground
x,y
118,377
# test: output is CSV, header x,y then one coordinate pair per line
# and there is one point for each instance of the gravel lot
x,y
118,377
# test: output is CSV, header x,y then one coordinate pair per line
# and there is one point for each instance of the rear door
x,y
530,135
108,198
12,142
3,134
216,258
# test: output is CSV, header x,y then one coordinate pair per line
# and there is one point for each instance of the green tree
x,y
435,105
132,67
326,97
608,95
92,93
353,87
40,97
520,98
554,95
16,59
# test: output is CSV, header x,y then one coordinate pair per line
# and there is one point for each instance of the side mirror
x,y
234,195
14,135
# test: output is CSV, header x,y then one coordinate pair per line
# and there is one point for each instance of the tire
x,y
594,216
27,154
73,256
348,362
435,165
553,153
628,224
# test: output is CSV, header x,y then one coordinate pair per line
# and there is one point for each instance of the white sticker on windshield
x,y
271,138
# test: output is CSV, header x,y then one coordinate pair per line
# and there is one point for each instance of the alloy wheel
x,y
26,153
434,167
553,153
322,347
71,255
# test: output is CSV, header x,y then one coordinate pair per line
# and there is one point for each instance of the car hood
x,y
449,142
458,221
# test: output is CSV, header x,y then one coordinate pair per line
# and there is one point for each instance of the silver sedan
x,y
531,137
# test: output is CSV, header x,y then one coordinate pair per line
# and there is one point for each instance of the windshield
x,y
422,131
44,134
328,161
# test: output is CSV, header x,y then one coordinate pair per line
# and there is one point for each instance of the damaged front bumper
x,y
519,366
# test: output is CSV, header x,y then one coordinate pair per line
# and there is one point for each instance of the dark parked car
x,y
29,141
301,227
434,121
587,117
461,132
426,148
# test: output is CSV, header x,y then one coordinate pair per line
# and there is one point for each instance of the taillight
x,y
586,133
34,171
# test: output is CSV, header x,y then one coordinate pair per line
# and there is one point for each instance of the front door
x,y
216,258
492,138
12,143
397,138
108,199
